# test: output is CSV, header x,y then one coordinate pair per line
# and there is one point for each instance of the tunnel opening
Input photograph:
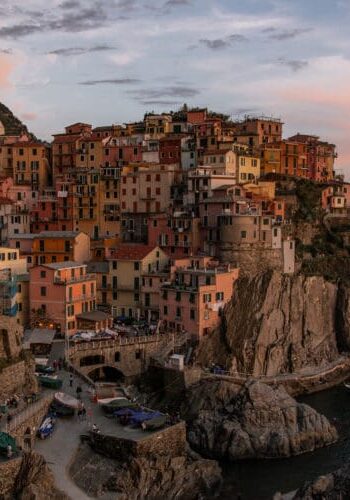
x,y
107,374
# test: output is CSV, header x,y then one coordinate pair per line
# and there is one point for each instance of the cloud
x,y
222,43
6,68
152,95
6,51
77,51
29,116
177,3
19,30
111,81
160,102
287,34
295,65
69,4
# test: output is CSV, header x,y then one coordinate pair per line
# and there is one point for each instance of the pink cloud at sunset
x,y
6,68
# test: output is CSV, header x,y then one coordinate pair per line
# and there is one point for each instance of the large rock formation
x,y
153,477
11,124
28,478
257,422
279,323
334,486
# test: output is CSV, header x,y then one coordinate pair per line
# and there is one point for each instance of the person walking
x,y
79,391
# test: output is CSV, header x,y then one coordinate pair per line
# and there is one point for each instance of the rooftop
x,y
58,234
131,251
63,265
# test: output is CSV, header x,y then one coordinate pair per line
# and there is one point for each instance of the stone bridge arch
x,y
106,373
92,359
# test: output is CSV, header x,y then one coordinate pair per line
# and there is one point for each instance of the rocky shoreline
x,y
258,421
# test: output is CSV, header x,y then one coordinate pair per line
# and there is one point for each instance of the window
x,y
136,297
219,296
206,298
117,357
138,354
178,312
243,234
136,266
165,310
192,314
115,265
43,291
178,296
42,274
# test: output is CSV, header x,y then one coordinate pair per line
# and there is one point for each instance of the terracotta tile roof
x,y
63,138
131,251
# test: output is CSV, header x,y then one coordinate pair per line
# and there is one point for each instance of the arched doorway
x,y
106,374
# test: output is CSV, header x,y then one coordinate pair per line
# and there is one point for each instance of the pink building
x,y
177,234
64,294
193,299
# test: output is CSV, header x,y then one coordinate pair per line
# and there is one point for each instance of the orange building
x,y
60,246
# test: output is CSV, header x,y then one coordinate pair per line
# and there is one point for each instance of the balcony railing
x,y
75,279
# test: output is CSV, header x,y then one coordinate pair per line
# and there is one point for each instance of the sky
x,y
110,61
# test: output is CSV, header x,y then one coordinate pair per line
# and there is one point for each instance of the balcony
x,y
75,279
79,298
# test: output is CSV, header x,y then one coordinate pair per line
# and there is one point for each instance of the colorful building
x,y
195,295
61,293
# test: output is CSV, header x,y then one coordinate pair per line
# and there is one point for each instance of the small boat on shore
x,y
47,427
67,400
50,381
347,386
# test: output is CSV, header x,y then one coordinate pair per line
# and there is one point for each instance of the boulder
x,y
259,421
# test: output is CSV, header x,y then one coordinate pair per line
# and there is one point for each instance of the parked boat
x,y
154,423
52,382
48,370
5,441
139,417
117,404
61,410
347,385
47,427
67,400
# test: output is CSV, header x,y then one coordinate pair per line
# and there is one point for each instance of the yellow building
x,y
157,126
270,159
128,264
263,189
90,151
31,164
222,161
247,168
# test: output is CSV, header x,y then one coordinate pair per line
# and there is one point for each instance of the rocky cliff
x,y
28,478
335,486
258,421
186,476
278,323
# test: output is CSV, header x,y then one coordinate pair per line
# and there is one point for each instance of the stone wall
x,y
11,334
252,259
9,469
169,442
132,360
17,378
23,426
